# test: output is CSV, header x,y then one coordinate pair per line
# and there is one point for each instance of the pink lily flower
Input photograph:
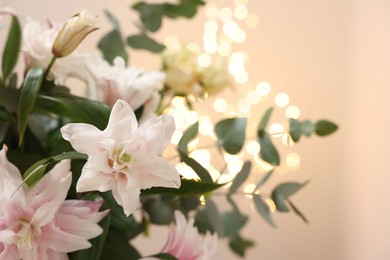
x,y
36,223
124,157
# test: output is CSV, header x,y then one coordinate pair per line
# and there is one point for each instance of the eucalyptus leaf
x,y
190,133
307,128
214,217
233,223
284,191
298,212
268,151
295,129
203,174
28,96
231,134
114,22
239,245
159,211
12,48
112,46
263,209
324,127
202,222
241,177
142,41
263,179
265,119
151,16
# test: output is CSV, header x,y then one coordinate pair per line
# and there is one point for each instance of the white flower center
x,y
121,160
26,234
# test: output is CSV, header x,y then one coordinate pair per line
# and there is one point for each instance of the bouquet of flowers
x,y
81,176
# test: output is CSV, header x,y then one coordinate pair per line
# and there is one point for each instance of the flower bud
x,y
72,34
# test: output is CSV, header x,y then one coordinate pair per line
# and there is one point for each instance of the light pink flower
x,y
185,242
124,157
36,223
38,40
133,85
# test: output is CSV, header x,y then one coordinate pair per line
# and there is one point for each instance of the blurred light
x,y
186,171
253,97
242,78
209,37
210,47
211,26
231,111
230,28
220,105
211,11
264,88
176,136
286,139
193,143
202,200
236,68
171,41
234,163
192,117
241,12
237,57
224,38
293,112
194,47
271,205
252,20
276,130
202,156
264,166
224,49
225,14
204,60
239,36
282,99
205,125
293,160
215,174
249,188
252,147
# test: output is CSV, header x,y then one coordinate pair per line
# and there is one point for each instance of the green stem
x,y
53,59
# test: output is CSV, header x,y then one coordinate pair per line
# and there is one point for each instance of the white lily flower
x,y
124,157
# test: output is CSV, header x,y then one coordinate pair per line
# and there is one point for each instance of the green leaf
x,y
324,127
112,46
263,209
35,172
233,223
284,191
3,130
151,16
118,217
163,256
12,48
241,177
263,179
231,134
239,245
190,133
117,247
159,212
214,217
295,129
203,174
142,41
114,22
264,120
28,96
307,128
77,109
268,151
9,99
95,251
202,222
298,212
188,187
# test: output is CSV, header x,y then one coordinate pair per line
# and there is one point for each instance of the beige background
x,y
333,58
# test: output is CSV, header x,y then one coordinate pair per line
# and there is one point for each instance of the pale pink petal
x,y
7,169
122,122
54,238
8,236
10,252
126,194
91,179
157,132
45,213
161,174
77,226
52,255
53,186
84,209
84,138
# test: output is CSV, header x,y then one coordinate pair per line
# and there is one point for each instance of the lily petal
x,y
122,122
161,173
91,180
127,195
